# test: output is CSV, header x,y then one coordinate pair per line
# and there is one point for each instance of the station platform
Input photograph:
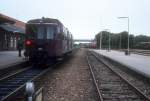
x,y
138,63
8,58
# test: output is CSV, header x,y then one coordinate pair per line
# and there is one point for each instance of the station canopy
x,y
11,28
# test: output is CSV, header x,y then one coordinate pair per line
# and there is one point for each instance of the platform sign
x,y
39,95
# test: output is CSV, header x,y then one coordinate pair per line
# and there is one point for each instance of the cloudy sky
x,y
84,18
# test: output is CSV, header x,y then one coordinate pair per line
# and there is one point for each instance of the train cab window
x,y
58,29
40,33
50,32
31,30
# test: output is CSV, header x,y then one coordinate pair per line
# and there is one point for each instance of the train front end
x,y
39,43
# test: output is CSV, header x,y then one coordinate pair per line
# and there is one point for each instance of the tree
x,y
120,40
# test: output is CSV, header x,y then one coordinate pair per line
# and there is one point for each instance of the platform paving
x,y
8,58
136,62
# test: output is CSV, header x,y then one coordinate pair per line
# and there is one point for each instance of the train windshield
x,y
41,31
45,31
50,32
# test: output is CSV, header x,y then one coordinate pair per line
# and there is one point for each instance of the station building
x,y
10,30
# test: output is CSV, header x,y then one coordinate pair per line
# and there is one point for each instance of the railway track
x,y
11,84
138,51
4,72
112,86
145,53
138,80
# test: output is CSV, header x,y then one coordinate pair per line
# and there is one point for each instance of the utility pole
x,y
101,35
120,42
108,30
109,42
128,47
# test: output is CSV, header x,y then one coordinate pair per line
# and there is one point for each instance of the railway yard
x,y
84,75
73,50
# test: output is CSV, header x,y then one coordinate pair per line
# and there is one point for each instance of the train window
x,y
40,33
58,30
50,32
31,30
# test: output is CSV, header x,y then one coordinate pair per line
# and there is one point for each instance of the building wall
x,y
8,40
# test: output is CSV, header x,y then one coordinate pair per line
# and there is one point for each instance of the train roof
x,y
45,20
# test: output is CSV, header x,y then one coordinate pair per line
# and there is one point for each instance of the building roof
x,y
12,28
5,19
15,24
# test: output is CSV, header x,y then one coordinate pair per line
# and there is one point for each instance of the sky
x,y
85,18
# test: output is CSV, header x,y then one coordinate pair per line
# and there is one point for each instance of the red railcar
x,y
47,39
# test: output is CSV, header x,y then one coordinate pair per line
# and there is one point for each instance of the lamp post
x,y
128,33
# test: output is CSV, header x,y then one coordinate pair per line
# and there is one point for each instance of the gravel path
x,y
71,81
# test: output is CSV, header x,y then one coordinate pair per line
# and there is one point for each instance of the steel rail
x,y
13,74
95,82
108,66
136,51
30,79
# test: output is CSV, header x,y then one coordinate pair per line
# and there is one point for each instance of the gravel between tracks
x,y
71,81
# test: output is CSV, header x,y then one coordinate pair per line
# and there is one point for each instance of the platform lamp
x,y
128,48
